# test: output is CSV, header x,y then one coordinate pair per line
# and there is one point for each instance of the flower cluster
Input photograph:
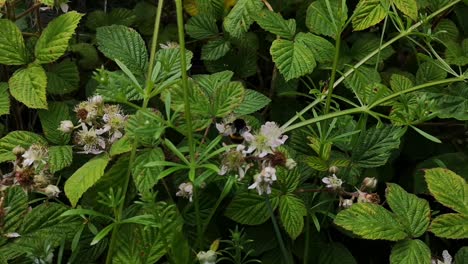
x,y
31,171
257,151
100,125
362,195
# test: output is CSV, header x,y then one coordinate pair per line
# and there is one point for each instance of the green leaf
x,y
368,13
454,226
450,102
326,17
375,146
371,221
335,253
293,59
18,138
321,48
400,83
88,55
4,99
253,101
412,212
170,63
362,77
121,146
125,44
448,189
63,78
60,157
430,71
410,251
446,31
365,44
462,256
292,211
249,208
29,86
239,19
53,41
227,98
16,200
457,54
12,48
116,87
276,24
50,121
85,177
372,92
146,177
215,49
201,26
408,7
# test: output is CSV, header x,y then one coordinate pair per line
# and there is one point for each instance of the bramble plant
x,y
279,132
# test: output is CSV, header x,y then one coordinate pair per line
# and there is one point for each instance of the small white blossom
x,y
332,182
346,203
264,180
36,154
369,183
446,256
51,191
96,100
207,257
266,141
11,235
186,190
290,164
66,126
169,45
91,140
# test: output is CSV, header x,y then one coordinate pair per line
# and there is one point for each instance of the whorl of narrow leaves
x,y
12,47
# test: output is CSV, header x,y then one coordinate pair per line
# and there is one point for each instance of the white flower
x,y
66,126
234,160
51,191
169,45
346,203
264,180
96,100
185,190
446,256
290,164
268,139
91,140
369,183
207,257
332,182
36,154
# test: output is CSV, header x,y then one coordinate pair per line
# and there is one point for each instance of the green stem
x,y
307,239
154,41
333,74
277,231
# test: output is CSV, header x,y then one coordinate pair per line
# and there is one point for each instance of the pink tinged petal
x,y
248,137
326,180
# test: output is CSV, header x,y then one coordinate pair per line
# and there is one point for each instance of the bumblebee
x,y
238,127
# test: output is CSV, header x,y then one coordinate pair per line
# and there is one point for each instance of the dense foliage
x,y
223,131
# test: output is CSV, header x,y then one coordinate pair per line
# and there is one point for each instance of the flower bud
x,y
346,203
51,191
290,164
66,126
18,151
369,183
333,170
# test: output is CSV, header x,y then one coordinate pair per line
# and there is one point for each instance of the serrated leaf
x,y
121,146
317,163
335,253
239,19
293,59
412,212
85,177
362,77
253,101
454,226
375,146
371,221
446,30
457,53
321,48
4,99
53,41
16,204
249,208
62,78
365,44
292,211
400,83
201,27
29,86
368,13
408,7
18,138
215,49
326,17
462,256
12,47
227,98
146,126
50,121
410,251
170,63
88,56
211,82
121,16
146,177
450,102
242,61
117,87
60,157
448,188
429,71
125,44
276,24
372,92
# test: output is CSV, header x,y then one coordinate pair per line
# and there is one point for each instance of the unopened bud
x,y
369,183
290,164
18,150
51,191
346,203
66,126
333,170
207,257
